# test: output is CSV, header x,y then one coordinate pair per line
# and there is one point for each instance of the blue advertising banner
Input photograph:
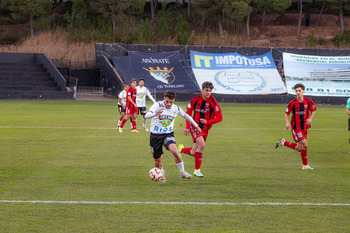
x,y
233,73
161,71
321,75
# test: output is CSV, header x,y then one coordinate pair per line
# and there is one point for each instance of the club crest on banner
x,y
236,80
164,75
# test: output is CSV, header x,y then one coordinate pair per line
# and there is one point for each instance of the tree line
x,y
141,21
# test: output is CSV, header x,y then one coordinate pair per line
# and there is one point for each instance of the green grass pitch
x,y
95,179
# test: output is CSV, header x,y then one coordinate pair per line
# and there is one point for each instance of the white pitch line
x,y
176,203
107,128
52,127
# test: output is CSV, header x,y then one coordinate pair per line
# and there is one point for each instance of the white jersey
x,y
122,96
142,92
164,123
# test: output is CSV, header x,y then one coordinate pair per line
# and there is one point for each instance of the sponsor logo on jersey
x,y
166,120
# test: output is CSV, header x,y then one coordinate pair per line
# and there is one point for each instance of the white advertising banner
x,y
233,73
321,75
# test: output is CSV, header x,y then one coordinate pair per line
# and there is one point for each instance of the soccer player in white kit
x,y
142,92
122,104
163,114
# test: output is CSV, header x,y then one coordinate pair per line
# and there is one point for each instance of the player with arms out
x,y
300,107
131,107
142,92
122,104
206,112
163,114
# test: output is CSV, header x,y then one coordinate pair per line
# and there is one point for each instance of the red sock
x,y
122,124
290,144
186,150
304,156
133,125
197,160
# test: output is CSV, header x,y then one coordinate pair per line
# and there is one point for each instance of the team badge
x,y
164,75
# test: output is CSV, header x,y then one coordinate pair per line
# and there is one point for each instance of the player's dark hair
x,y
170,94
299,85
141,79
208,85
133,79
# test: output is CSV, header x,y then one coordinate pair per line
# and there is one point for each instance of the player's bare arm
x,y
286,117
120,103
308,120
130,99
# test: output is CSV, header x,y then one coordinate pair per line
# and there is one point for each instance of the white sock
x,y
144,122
119,122
181,167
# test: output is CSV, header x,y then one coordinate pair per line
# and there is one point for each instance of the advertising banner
x,y
161,71
321,75
233,73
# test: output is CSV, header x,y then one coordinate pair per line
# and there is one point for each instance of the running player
x,y
300,107
163,114
206,112
122,104
142,92
131,107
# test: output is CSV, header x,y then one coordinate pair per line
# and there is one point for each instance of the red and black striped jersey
x,y
300,112
208,109
132,93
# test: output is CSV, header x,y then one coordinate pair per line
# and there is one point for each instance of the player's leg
x,y
187,150
198,155
122,114
190,150
131,124
303,153
283,142
143,113
156,144
178,159
126,118
158,162
134,117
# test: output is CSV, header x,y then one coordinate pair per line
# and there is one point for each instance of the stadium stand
x,y
31,76
113,73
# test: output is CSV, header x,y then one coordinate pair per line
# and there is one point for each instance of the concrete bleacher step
x,y
22,64
25,79
29,81
29,87
22,81
22,69
24,74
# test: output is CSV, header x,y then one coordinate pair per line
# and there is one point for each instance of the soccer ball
x,y
155,174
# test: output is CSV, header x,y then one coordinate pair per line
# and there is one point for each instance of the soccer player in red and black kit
x,y
131,109
300,107
206,112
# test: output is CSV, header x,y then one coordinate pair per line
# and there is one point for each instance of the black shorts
x,y
142,111
121,109
157,141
